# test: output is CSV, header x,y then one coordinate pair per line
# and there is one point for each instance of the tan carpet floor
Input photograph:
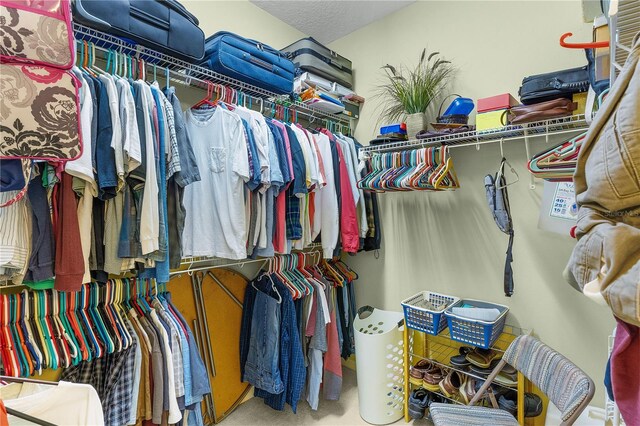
x,y
331,413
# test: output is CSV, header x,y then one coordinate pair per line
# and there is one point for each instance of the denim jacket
x,y
605,263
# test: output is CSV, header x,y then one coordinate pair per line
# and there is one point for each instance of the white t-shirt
x,y
129,123
81,167
64,404
215,220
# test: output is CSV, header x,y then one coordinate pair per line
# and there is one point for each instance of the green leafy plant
x,y
410,91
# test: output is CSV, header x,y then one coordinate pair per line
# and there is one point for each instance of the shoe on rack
x,y
507,377
432,378
416,372
532,405
452,383
483,357
468,390
459,361
507,404
418,403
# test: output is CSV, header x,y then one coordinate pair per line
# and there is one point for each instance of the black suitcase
x,y
162,25
553,85
309,55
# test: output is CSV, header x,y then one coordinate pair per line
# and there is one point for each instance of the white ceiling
x,y
328,20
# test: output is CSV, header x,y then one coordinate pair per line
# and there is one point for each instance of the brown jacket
x,y
607,182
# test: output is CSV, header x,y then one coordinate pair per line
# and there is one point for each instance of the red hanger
x,y
591,45
207,99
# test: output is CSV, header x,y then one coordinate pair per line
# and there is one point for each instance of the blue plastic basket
x,y
420,315
475,332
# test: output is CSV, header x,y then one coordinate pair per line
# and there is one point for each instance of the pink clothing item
x,y
280,236
332,381
287,144
314,145
348,219
625,372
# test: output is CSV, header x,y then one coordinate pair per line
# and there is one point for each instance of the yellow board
x,y
224,318
491,120
581,100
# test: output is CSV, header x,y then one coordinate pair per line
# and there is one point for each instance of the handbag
x,y
39,113
37,32
555,108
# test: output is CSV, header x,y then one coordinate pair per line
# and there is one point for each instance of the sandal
x,y
483,357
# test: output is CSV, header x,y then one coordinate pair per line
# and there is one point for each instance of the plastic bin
x,y
475,332
418,315
379,365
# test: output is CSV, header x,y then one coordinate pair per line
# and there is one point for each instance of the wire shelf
x,y
623,27
574,123
162,61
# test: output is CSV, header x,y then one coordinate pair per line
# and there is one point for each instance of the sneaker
x,y
509,405
418,403
483,357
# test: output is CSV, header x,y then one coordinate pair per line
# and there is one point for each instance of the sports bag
x,y
162,25
39,113
498,200
553,85
37,32
310,55
249,61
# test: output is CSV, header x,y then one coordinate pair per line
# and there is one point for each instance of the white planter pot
x,y
415,123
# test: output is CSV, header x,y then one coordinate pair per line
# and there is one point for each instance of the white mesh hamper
x,y
379,358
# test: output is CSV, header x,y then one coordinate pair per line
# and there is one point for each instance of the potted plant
x,y
408,93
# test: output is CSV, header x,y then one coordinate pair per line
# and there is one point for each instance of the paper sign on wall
x,y
564,204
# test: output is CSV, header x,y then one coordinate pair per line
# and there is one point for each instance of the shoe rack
x,y
439,350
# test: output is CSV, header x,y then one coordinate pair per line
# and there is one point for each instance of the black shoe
x,y
418,403
532,405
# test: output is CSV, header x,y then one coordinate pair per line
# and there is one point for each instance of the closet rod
x,y
183,68
241,263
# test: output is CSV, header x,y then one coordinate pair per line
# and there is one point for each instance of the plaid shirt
x,y
112,377
174,156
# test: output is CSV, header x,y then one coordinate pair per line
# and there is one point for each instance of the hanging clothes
x,y
294,304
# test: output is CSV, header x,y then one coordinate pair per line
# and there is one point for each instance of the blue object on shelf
x,y
476,332
460,106
393,128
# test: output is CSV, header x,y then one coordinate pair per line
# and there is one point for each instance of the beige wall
x,y
243,18
447,242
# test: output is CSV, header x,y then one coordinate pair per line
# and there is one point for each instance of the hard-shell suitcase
x,y
162,25
309,55
553,85
249,61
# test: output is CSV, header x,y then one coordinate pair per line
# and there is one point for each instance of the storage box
x,y
493,103
351,109
581,100
491,120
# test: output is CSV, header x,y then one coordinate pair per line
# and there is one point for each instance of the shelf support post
x,y
532,182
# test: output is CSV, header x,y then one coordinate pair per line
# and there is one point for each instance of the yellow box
x,y
581,100
491,120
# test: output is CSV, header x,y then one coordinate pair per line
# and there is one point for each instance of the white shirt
x,y
149,215
326,218
62,404
128,118
215,223
82,167
116,136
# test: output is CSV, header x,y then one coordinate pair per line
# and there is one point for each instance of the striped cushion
x,y
561,380
458,415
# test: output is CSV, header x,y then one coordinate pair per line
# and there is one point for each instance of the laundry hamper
x,y
379,365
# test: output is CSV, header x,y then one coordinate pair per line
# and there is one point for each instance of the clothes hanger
x,y
273,287
64,352
589,45
9,360
90,331
23,314
69,300
69,332
23,362
100,322
32,330
56,357
24,336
